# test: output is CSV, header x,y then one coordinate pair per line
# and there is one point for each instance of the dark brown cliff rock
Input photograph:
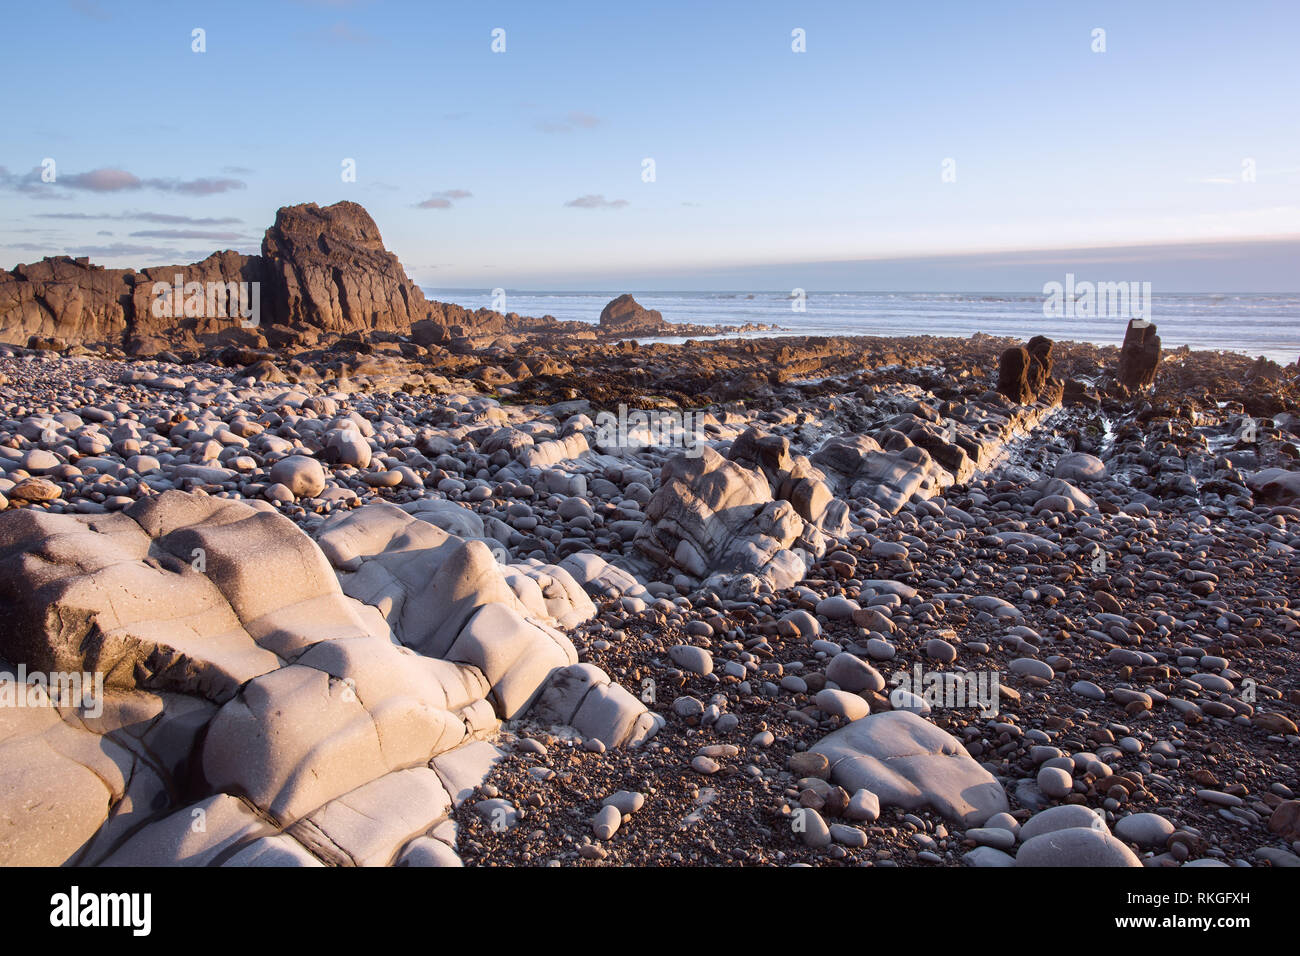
x,y
328,268
1025,373
159,321
1013,374
323,271
65,299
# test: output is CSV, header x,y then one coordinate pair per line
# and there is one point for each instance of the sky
x,y
936,146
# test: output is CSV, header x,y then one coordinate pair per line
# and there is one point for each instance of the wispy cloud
x,y
163,218
91,9
131,249
343,33
101,180
151,254
596,202
444,199
28,247
574,120
189,234
196,187
110,180
29,183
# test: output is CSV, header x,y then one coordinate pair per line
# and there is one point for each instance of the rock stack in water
x,y
1139,355
1025,373
625,314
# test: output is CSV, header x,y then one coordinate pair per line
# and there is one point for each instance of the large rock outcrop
x,y
328,267
322,271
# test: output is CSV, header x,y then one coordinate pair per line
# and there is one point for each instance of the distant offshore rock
x,y
626,316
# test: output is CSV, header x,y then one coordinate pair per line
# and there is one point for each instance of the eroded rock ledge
x,y
276,686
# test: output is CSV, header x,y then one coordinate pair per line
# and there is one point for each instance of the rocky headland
x,y
382,581
323,279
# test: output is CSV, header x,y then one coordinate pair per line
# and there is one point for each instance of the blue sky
x,y
529,163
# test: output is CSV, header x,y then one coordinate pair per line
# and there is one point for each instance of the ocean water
x,y
1254,324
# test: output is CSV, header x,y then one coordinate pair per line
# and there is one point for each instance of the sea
x,y
1253,324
